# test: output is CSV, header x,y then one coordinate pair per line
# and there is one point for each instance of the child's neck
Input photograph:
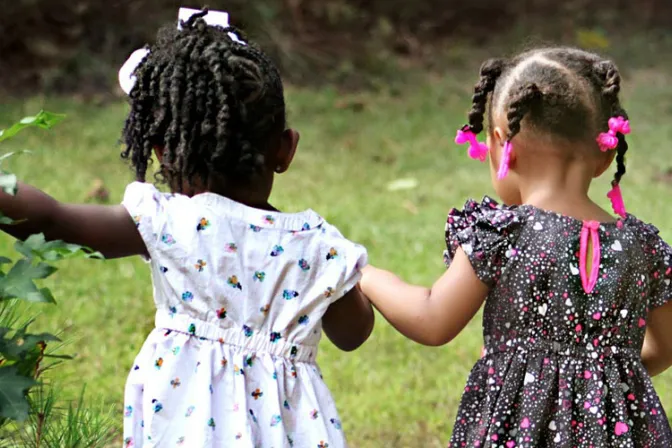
x,y
251,197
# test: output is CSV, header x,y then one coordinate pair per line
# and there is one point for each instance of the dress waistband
x,y
589,350
242,338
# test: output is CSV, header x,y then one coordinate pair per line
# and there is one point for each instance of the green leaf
x,y
37,246
13,401
5,260
19,282
8,183
43,120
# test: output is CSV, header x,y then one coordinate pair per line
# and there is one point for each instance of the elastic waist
x,y
592,350
244,338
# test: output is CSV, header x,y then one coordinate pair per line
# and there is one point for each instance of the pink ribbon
x,y
609,140
589,230
616,198
477,150
506,159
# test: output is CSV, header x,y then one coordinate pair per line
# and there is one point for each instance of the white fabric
x,y
240,294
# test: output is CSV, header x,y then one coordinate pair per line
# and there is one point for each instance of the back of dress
x,y
240,294
563,326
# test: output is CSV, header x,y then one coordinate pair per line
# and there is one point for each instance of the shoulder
x,y
649,237
487,215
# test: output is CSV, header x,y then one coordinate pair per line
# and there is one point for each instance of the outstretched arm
x,y
349,321
106,229
428,316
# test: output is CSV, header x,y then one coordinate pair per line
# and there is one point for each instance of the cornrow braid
x,y
521,102
210,102
610,91
490,71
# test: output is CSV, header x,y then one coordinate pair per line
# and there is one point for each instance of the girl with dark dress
x,y
577,313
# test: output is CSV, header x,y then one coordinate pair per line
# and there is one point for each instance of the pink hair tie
x,y
617,200
506,159
477,150
609,140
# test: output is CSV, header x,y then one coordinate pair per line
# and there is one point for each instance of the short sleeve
x,y
350,258
487,233
145,204
661,292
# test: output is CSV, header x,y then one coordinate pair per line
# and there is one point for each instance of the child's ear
x,y
289,141
604,163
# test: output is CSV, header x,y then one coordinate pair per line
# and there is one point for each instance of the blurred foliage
x,y
67,45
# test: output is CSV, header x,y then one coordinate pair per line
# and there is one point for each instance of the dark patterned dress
x,y
561,366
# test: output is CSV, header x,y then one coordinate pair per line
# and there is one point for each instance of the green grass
x,y
391,392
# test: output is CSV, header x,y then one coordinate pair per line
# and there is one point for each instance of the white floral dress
x,y
240,294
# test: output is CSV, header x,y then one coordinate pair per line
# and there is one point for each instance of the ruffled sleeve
x,y
146,205
661,265
487,233
349,258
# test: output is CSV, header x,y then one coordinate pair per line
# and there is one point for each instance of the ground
x,y
391,392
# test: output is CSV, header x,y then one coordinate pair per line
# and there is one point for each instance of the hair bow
x,y
127,79
609,140
477,150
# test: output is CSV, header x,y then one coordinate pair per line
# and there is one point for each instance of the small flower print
x,y
248,360
211,423
247,331
255,229
269,219
221,313
293,351
212,390
257,394
336,422
192,329
167,239
303,264
329,292
137,219
128,442
128,411
200,265
157,406
158,363
264,309
232,248
275,420
314,414
259,276
275,336
190,410
224,362
163,269
187,296
172,311
203,224
293,371
239,436
277,250
234,283
176,350
332,255
275,375
254,417
286,405
305,227
323,444
237,370
175,383
288,294
303,320
180,441
290,441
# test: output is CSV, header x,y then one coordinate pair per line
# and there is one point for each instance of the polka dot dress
x,y
561,364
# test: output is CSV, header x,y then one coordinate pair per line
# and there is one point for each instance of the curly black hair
x,y
211,103
567,92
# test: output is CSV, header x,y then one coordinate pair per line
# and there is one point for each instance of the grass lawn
x,y
391,392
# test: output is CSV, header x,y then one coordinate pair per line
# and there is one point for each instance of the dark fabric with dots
x,y
561,368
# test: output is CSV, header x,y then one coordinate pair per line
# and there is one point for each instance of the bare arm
x,y
657,349
428,316
105,229
349,321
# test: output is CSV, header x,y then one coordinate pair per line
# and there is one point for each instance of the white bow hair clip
x,y
127,79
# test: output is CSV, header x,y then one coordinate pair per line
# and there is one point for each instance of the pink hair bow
x,y
609,140
477,150
616,198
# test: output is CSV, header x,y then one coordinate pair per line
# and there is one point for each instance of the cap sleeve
x,y
487,233
351,258
145,204
661,266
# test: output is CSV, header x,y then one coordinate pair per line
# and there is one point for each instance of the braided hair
x,y
567,92
210,102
